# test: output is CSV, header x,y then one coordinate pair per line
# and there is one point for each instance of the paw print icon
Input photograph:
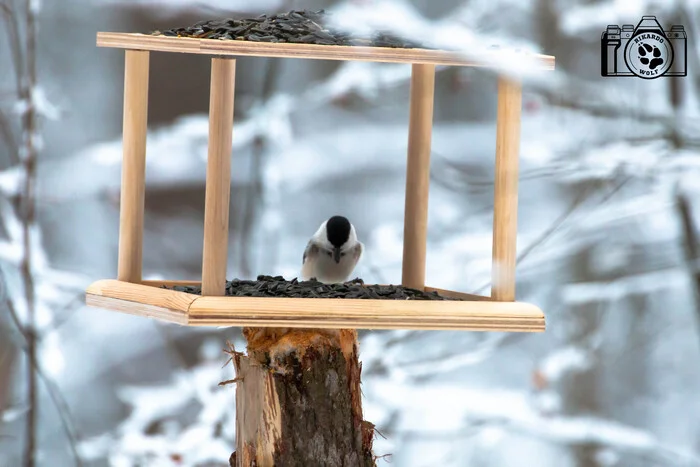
x,y
650,55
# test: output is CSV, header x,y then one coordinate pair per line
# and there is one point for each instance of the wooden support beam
x,y
420,126
505,211
133,185
218,188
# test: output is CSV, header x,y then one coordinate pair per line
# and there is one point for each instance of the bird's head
x,y
338,236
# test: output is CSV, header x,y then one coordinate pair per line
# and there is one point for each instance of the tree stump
x,y
298,400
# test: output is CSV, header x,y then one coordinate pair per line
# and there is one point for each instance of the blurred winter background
x,y
608,203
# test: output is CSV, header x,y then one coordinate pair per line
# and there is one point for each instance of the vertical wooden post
x,y
505,210
133,185
218,188
415,226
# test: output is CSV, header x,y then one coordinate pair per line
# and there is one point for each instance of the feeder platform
x,y
130,294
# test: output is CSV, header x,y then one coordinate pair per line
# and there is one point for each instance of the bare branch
x,y
54,392
690,244
9,138
67,311
559,222
28,205
12,30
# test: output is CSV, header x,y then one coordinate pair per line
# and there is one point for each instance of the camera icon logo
x,y
645,51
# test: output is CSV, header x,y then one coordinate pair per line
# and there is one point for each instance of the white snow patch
x,y
41,102
52,358
642,284
564,360
12,180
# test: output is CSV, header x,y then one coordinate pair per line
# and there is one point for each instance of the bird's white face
x,y
321,239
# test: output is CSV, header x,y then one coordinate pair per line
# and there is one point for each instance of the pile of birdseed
x,y
297,26
277,286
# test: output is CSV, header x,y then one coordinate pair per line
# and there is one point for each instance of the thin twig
x,y
9,138
12,30
54,392
690,244
558,223
27,204
67,311
230,381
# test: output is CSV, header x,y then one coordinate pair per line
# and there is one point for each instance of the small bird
x,y
332,253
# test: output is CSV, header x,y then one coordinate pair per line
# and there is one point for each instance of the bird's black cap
x,y
338,230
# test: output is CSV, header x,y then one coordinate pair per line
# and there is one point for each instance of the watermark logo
x,y
645,51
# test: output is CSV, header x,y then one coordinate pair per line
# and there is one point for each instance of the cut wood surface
x,y
299,402
311,51
121,290
137,309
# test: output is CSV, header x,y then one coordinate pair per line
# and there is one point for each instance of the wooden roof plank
x,y
308,51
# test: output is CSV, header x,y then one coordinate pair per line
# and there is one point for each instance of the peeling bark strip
x,y
298,400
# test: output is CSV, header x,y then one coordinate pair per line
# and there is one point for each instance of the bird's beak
x,y
336,255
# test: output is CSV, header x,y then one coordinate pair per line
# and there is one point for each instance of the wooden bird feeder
x,y
130,294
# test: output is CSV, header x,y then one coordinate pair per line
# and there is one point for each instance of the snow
x,y
13,413
168,8
11,181
443,409
41,102
564,360
403,20
52,358
38,100
582,19
637,284
194,444
35,6
364,78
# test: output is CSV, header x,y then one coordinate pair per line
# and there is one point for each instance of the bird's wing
x,y
357,251
310,250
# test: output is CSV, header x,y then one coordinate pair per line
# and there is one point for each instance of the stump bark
x,y
298,400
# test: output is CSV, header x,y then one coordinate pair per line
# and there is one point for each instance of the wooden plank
x,y
163,298
415,224
370,314
133,183
505,209
458,295
355,324
309,51
137,309
371,308
218,184
154,283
